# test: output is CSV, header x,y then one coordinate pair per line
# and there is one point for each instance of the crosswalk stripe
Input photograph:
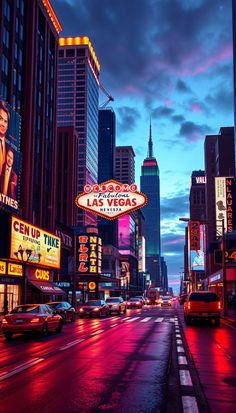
x,y
159,319
144,320
132,319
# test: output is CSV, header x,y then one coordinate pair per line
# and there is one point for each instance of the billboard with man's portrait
x,y
10,128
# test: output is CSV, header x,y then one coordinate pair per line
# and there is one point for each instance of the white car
x,y
116,305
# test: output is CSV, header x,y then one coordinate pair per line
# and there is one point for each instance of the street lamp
x,y
23,255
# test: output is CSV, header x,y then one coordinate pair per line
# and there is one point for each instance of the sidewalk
x,y
231,316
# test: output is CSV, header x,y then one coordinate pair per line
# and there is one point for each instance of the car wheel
x,y
59,328
118,312
73,318
125,311
8,336
188,320
44,330
63,318
217,321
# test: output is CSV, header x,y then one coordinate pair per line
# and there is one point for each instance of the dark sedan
x,y
30,318
66,311
134,303
94,308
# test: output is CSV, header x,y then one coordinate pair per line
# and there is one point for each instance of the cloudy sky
x,y
171,60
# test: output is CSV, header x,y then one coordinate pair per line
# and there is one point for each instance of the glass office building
x,y
78,90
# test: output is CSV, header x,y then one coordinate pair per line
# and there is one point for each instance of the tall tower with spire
x,y
150,186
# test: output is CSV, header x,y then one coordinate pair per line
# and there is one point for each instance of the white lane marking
x,y
185,378
126,318
132,319
159,319
180,349
189,404
172,320
144,320
71,344
177,335
182,360
179,342
20,368
97,332
113,325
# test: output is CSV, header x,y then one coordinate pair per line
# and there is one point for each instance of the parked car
x,y
182,298
202,305
65,309
134,302
94,308
116,305
166,301
30,318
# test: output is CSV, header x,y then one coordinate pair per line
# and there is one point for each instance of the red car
x,y
31,318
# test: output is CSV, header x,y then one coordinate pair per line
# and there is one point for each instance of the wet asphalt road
x,y
144,361
114,364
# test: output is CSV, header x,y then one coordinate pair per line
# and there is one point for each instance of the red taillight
x,y
189,305
219,305
4,321
81,310
35,320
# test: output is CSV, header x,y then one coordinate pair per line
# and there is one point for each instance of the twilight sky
x,y
171,60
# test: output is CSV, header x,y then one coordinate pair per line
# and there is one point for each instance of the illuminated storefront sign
x,y
14,269
224,203
2,267
89,254
194,235
9,156
111,199
44,247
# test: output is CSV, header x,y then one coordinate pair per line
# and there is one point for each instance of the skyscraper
x,y
78,88
150,186
29,32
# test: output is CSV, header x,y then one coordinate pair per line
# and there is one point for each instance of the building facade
x,y
29,32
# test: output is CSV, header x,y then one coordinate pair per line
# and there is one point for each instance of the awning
x,y
47,287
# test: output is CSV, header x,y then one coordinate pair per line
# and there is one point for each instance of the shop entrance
x,y
9,297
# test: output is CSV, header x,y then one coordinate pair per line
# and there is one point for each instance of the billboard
x,y
197,257
10,128
224,204
39,246
88,254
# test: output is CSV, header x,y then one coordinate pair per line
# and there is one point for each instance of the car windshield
x,y
206,297
94,303
134,299
25,309
112,300
166,298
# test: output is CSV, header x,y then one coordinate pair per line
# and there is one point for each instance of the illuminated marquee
x,y
224,203
111,199
194,235
89,254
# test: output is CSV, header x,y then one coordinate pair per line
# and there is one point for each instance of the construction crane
x,y
110,98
